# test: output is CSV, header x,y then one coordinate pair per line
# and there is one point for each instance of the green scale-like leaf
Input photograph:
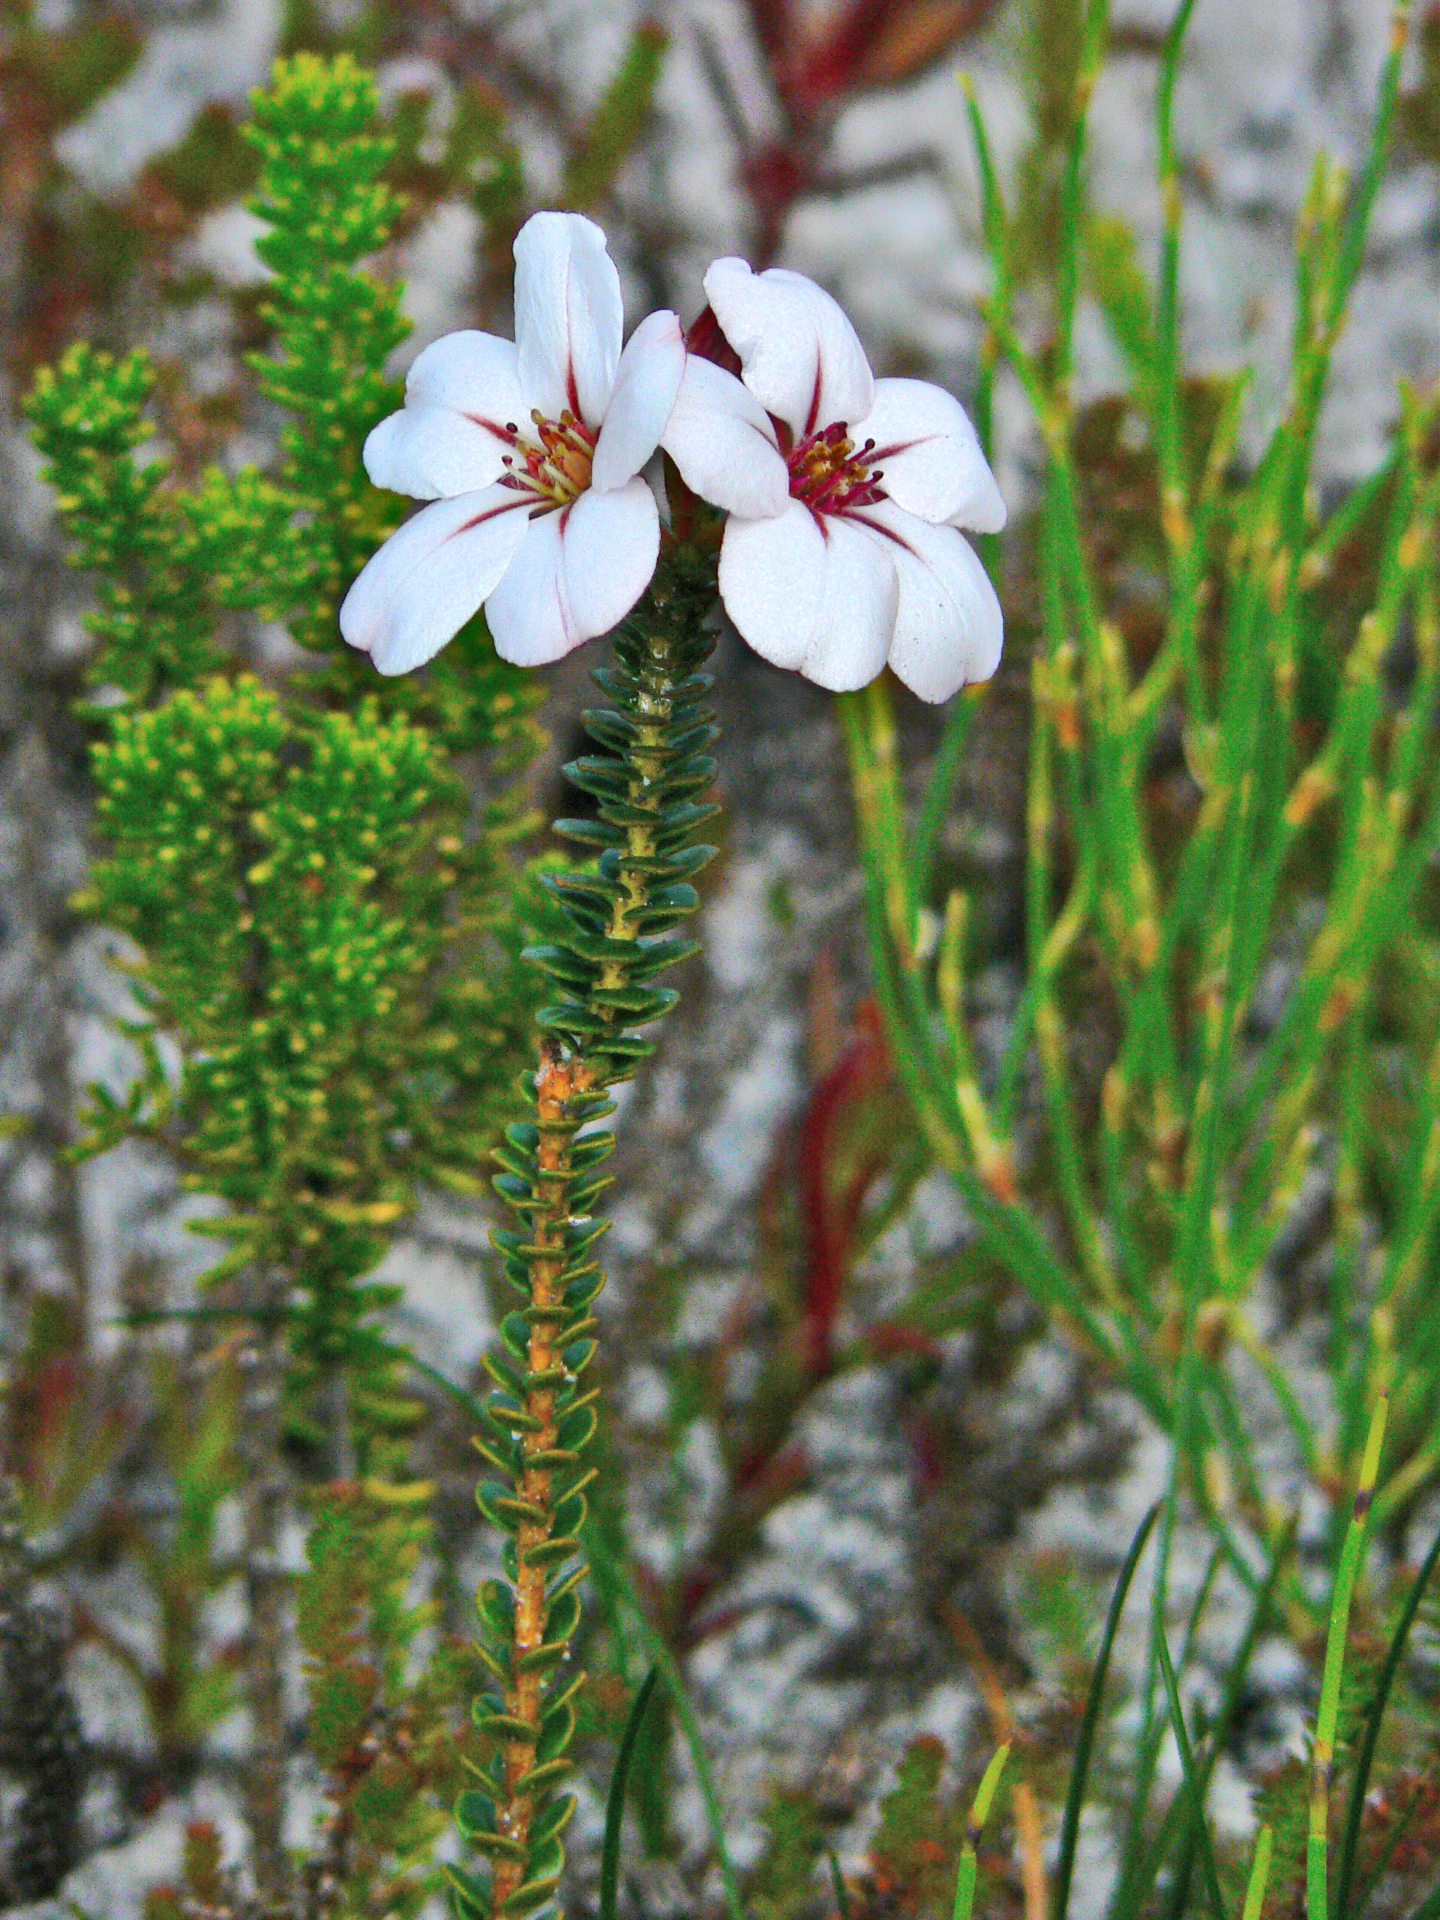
x,y
600,961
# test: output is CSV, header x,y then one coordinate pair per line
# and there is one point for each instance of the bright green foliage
x,y
390,1741
317,131
324,932
153,624
286,542
331,1001
285,893
288,887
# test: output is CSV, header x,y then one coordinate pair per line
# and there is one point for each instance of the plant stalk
x,y
648,784
265,1583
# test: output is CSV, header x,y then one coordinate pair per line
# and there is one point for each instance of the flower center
x,y
555,466
830,473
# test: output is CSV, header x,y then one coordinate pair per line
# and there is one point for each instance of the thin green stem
x,y
1322,1765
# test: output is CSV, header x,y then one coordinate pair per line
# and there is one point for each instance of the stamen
x,y
827,472
557,470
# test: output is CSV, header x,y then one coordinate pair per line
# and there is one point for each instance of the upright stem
x,y
647,784
557,1083
265,1593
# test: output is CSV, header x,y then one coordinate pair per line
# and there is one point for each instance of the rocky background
x,y
927,1500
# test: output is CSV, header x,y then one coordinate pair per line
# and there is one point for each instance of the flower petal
x,y
801,357
462,397
857,609
433,454
610,542
948,626
530,617
646,383
772,572
930,455
817,596
476,374
421,587
720,438
568,316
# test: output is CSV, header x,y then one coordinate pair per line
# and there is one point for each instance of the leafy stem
x,y
619,910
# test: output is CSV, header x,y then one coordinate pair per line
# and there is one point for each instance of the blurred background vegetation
x,y
1103,1151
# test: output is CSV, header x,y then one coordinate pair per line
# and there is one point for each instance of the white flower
x,y
531,453
845,493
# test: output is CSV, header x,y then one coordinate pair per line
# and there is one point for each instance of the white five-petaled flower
x,y
531,452
842,552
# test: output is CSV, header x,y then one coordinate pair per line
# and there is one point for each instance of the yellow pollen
x,y
830,473
555,466
827,457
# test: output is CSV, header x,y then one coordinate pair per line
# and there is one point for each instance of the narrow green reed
x,y
1360,1779
1208,1120
1259,1876
1090,1720
1193,1789
613,1575
1138,1874
648,783
1322,1764
615,1801
975,1826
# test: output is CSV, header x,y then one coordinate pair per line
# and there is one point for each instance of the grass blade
x,y
615,1805
599,1553
1219,1733
842,1898
1259,1877
1084,1746
1322,1766
1360,1785
974,1827
938,797
1192,1784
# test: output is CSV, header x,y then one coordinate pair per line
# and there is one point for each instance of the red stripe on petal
x,y
490,513
509,434
814,412
901,446
885,533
